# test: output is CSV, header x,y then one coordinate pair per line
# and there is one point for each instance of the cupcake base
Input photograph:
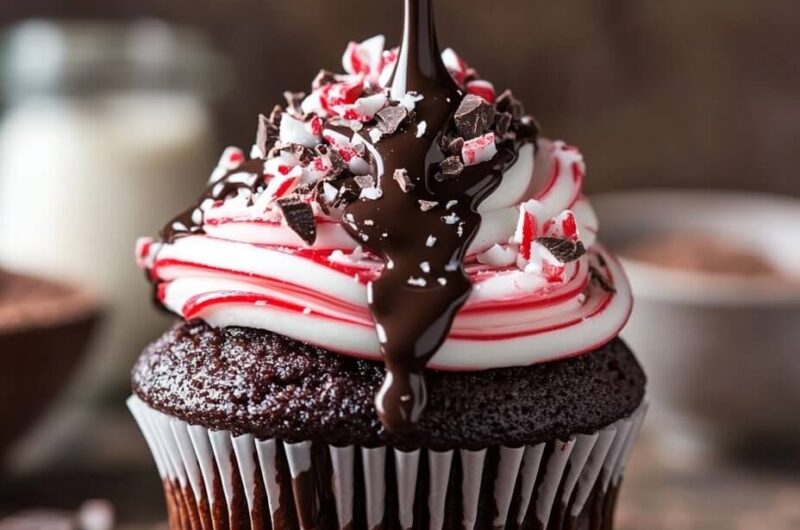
x,y
217,480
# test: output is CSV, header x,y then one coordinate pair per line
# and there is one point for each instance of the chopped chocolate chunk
x,y
300,217
365,181
517,110
332,155
427,205
598,277
452,167
263,135
303,154
473,117
390,119
403,180
528,127
294,100
455,146
564,250
504,101
349,192
502,123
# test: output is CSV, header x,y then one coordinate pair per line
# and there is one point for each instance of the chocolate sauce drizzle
x,y
423,284
422,224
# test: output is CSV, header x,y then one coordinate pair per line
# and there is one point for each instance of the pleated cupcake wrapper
x,y
206,473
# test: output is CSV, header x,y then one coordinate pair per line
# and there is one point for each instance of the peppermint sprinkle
x,y
450,204
451,219
442,281
422,127
371,193
426,206
425,266
375,135
430,241
417,282
369,222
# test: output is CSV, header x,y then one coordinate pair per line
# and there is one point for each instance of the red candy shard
x,y
482,89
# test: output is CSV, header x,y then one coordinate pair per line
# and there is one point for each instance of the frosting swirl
x,y
283,240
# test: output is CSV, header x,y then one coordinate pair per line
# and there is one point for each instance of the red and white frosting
x,y
250,269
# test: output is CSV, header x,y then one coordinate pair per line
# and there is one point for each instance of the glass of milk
x,y
107,133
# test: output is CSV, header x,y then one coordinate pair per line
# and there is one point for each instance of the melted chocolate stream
x,y
413,319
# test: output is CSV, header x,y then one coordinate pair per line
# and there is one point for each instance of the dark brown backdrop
x,y
676,93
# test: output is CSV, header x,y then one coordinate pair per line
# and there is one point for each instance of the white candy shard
x,y
294,131
498,256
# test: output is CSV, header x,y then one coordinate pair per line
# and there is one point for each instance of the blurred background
x,y
112,114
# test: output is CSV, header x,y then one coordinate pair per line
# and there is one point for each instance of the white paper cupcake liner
x,y
214,480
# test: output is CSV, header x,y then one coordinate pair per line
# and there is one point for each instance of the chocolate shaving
x,y
564,250
502,123
275,116
454,147
300,217
262,135
598,277
473,117
452,167
426,206
403,180
294,101
390,119
365,181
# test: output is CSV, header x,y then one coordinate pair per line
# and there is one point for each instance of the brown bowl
x,y
45,327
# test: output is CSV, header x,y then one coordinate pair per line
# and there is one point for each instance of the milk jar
x,y
106,132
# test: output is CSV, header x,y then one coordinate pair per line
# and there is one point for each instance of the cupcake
x,y
394,314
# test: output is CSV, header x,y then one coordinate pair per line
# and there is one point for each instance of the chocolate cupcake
x,y
394,315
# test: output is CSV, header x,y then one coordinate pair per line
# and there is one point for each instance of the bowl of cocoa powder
x,y
716,279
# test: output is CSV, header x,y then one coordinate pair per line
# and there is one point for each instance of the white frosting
x,y
250,270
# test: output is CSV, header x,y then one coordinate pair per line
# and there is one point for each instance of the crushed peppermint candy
x,y
425,267
422,128
417,282
430,242
372,194
479,150
427,206
403,180
451,218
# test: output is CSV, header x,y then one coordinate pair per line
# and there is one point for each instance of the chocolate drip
x,y
423,284
190,221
